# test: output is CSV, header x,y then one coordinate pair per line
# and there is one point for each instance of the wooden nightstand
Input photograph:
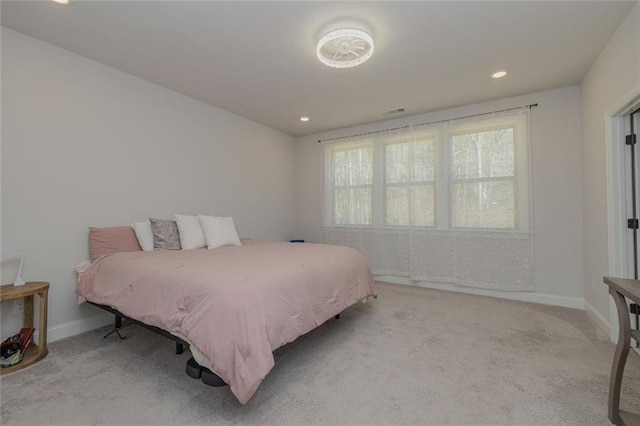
x,y
34,353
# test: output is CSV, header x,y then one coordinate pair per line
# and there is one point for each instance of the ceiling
x,y
257,59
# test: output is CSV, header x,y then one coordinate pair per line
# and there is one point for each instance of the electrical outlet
x,y
18,306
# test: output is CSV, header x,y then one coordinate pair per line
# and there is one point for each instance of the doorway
x,y
622,159
632,201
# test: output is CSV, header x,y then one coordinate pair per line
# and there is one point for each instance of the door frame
x,y
617,187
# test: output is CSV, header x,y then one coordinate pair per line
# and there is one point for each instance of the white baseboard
x,y
602,322
545,299
72,328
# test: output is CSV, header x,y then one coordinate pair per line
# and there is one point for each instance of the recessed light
x,y
63,2
305,119
500,73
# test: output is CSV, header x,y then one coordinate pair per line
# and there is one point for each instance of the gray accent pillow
x,y
165,234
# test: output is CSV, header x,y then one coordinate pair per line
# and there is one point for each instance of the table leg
x,y
42,331
620,357
27,313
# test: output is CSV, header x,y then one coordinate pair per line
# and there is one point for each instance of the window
x,y
409,183
442,203
483,180
457,175
352,181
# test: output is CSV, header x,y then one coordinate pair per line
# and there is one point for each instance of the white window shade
x,y
447,203
409,181
351,173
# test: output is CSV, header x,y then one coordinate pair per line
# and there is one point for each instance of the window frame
x,y
330,181
507,178
521,172
429,136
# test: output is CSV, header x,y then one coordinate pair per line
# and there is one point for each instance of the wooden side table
x,y
33,353
618,289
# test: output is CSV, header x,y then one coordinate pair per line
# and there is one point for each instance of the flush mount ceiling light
x,y
345,48
304,119
500,73
63,2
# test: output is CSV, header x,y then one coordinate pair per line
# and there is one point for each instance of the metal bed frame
x,y
193,369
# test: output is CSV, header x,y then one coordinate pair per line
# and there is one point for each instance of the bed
x,y
234,305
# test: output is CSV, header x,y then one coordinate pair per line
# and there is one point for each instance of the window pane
x,y
424,160
397,162
352,206
484,205
483,154
423,205
353,166
397,207
410,161
410,205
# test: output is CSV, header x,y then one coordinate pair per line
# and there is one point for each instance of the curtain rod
x,y
430,122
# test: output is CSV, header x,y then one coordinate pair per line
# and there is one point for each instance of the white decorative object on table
x,y
18,281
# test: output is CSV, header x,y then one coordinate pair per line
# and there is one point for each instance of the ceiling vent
x,y
394,111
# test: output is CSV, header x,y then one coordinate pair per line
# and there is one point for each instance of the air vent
x,y
394,111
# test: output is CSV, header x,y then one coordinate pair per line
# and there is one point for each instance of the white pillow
x,y
191,235
219,231
144,234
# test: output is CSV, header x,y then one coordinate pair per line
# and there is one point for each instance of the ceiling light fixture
x,y
500,73
345,48
305,119
63,2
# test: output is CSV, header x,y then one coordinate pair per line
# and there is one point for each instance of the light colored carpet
x,y
414,356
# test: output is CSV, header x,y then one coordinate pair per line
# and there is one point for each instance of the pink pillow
x,y
112,240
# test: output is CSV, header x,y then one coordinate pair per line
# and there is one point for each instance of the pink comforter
x,y
234,304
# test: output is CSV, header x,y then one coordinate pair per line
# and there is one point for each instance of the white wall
x,y
556,184
612,79
87,145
